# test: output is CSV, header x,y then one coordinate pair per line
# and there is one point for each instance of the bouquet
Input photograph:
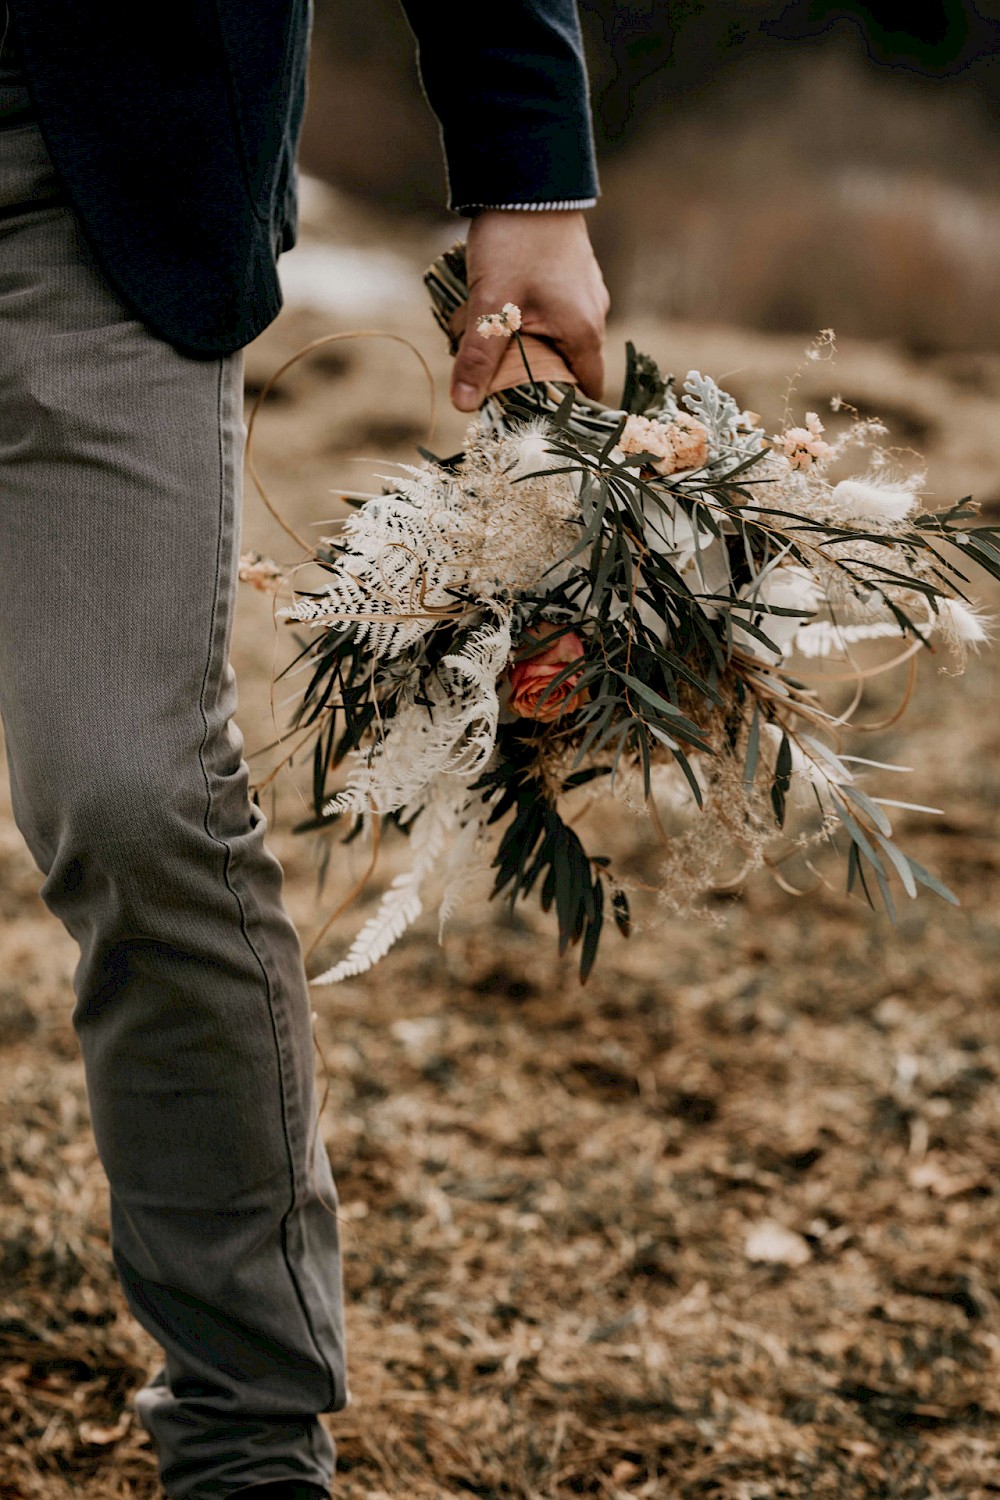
x,y
617,600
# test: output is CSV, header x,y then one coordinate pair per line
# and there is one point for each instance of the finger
x,y
583,351
589,370
475,363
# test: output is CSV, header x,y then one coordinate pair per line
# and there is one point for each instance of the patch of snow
x,y
346,279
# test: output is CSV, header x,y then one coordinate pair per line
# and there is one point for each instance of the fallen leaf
x,y
101,1437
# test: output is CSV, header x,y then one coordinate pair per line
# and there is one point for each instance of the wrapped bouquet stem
x,y
631,600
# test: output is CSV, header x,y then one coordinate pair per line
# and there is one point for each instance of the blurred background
x,y
781,166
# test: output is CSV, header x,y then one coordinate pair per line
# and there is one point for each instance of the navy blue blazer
x,y
174,128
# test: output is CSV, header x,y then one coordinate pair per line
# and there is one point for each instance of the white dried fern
x,y
822,637
466,856
376,620
455,737
402,903
399,564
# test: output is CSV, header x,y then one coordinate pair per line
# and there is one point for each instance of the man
x,y
147,187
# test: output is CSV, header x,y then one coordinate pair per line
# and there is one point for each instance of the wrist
x,y
499,228
511,214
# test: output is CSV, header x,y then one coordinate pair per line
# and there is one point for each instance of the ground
x,y
723,1223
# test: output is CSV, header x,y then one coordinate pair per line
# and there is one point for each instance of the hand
x,y
542,261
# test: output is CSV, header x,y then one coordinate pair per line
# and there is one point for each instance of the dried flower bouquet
x,y
626,599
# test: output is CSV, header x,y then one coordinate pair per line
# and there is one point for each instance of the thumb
x,y
476,361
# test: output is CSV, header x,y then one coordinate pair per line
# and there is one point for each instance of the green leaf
x,y
668,658
689,775
883,886
859,838
644,386
862,800
661,704
602,574
984,553
663,738
600,727
825,753
899,863
562,415
854,869
782,779
985,538
931,881
548,889
612,440
853,866
643,744
753,748
622,734
592,933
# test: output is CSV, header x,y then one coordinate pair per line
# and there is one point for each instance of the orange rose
x,y
529,678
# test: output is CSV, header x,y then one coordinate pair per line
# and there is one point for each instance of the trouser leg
x,y
119,491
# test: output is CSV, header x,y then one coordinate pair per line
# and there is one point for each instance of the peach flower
x,y
679,444
689,439
260,572
530,677
500,325
804,446
642,435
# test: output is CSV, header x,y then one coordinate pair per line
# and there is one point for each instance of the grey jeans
x,y
120,465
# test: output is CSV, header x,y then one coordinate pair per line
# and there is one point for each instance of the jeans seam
x,y
241,908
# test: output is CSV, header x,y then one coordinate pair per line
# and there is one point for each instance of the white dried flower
x,y
869,501
962,624
788,586
530,444
825,637
532,455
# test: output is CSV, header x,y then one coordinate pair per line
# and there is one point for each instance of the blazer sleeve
x,y
512,100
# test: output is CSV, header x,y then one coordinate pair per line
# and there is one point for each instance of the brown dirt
x,y
547,1190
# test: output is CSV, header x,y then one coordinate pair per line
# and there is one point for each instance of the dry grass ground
x,y
552,1196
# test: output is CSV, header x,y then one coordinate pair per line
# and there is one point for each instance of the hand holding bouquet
x,y
623,598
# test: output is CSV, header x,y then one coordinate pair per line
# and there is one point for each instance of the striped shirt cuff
x,y
561,203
